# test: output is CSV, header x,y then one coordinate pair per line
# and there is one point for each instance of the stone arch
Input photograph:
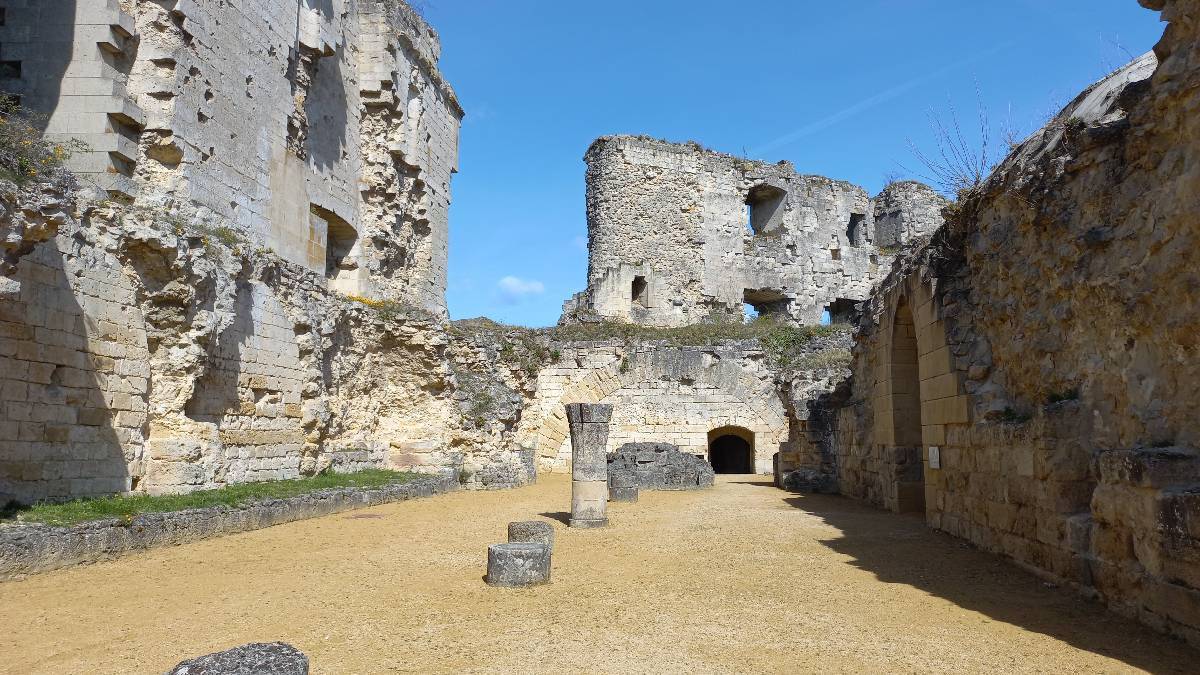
x,y
664,395
731,449
918,393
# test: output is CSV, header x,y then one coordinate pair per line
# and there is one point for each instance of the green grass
x,y
126,507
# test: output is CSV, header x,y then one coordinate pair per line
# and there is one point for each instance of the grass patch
x,y
774,334
125,507
388,310
785,344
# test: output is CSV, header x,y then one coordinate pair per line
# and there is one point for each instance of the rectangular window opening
x,y
639,292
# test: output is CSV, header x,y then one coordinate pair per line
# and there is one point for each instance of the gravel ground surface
x,y
739,578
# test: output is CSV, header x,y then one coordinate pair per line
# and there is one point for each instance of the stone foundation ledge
x,y
30,549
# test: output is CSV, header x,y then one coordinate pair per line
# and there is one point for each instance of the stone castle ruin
x,y
678,234
248,284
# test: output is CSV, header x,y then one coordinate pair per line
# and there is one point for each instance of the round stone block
x,y
531,530
623,494
518,564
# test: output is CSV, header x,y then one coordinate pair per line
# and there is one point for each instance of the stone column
x,y
589,464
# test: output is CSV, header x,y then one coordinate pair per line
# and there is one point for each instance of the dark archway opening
x,y
729,453
906,413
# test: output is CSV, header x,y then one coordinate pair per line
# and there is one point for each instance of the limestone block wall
x,y
320,129
659,393
678,234
140,355
1051,414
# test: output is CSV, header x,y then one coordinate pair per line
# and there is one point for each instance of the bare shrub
x,y
959,165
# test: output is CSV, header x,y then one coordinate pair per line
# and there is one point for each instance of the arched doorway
x,y
731,450
906,413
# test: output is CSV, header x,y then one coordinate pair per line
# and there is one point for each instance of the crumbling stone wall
x,y
659,393
905,210
684,396
139,353
1043,342
320,129
243,290
678,234
659,466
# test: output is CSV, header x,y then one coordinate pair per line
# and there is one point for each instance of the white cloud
x,y
513,290
580,242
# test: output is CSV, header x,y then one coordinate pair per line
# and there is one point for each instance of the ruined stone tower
x,y
184,105
678,234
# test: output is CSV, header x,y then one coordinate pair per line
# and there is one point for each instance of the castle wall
x,y
678,234
666,394
1042,343
137,359
319,129
187,325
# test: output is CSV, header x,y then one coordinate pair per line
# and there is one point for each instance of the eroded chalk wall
x,y
1028,379
320,129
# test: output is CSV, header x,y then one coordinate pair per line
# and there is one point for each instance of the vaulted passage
x,y
906,412
731,450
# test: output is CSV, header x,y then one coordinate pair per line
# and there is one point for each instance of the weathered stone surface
x,y
332,142
589,504
1042,341
809,480
589,488
518,564
627,494
811,243
263,295
531,530
589,438
659,466
259,658
29,549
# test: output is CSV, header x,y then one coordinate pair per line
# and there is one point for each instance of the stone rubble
x,y
259,658
658,466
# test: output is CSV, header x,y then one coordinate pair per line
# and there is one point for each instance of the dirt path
x,y
741,578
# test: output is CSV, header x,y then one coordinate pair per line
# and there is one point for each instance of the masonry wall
x,y
320,129
248,281
678,234
1055,372
659,394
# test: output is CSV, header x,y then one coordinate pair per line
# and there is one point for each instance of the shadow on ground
x,y
561,516
901,549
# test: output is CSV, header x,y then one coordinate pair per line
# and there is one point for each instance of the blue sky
x,y
836,88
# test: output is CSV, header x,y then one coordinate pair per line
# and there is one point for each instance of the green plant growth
x,y
125,507
482,405
388,310
25,154
226,235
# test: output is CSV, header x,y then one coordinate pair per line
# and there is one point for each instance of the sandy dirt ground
x,y
740,578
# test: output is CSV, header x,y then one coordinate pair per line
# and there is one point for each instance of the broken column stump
x,y
622,486
589,463
516,564
536,531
